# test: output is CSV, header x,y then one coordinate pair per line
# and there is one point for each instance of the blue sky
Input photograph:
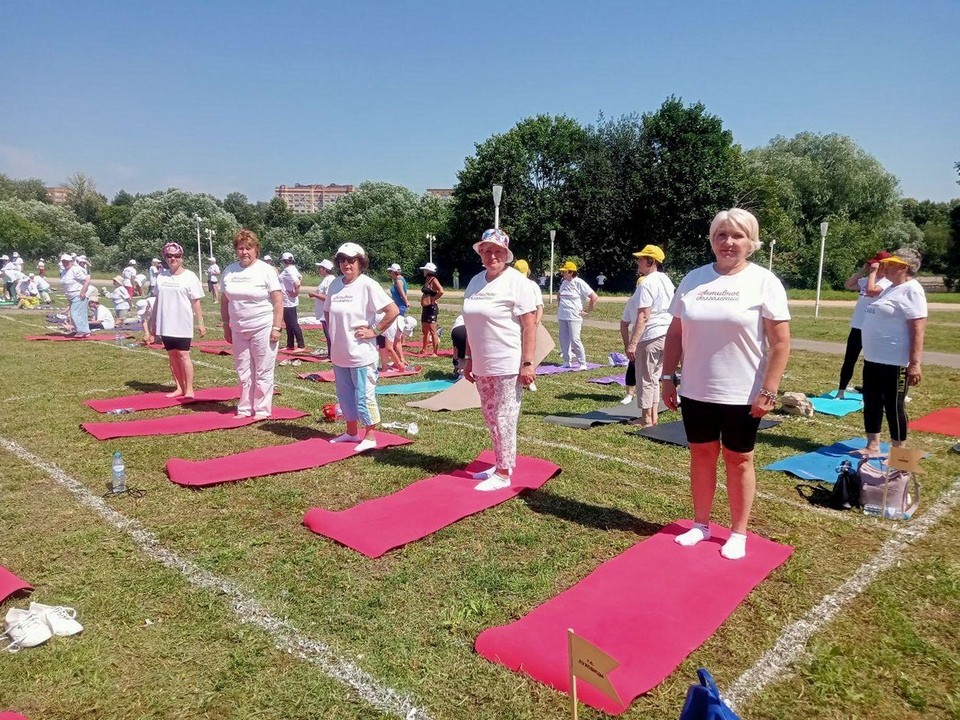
x,y
243,96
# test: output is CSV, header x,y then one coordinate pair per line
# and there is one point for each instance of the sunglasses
x,y
173,255
343,259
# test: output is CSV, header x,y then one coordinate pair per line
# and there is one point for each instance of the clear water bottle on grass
x,y
118,483
120,411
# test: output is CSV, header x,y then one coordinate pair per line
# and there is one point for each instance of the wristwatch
x,y
526,364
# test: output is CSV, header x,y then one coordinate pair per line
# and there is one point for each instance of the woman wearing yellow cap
x,y
570,314
651,319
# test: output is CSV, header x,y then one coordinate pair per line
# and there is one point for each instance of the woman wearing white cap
x,y
570,313
290,279
651,318
27,292
351,310
74,282
129,273
213,279
102,318
430,294
325,270
178,303
251,308
398,289
499,311
10,277
155,267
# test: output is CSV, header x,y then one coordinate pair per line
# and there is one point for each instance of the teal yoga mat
x,y
829,405
417,388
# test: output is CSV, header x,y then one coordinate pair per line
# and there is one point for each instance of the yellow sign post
x,y
590,663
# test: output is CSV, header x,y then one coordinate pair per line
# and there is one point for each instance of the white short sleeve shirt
x,y
350,306
174,309
247,290
491,312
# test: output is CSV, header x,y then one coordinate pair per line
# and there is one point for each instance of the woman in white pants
x,y
570,314
251,307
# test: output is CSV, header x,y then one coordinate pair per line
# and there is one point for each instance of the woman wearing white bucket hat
x,y
430,294
499,311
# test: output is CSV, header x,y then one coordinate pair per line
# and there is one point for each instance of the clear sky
x,y
243,96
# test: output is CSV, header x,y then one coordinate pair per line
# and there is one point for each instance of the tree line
x,y
607,189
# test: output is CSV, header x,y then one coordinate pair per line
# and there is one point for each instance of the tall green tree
x,y
84,200
37,229
30,189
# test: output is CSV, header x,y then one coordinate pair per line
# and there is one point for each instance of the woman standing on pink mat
x,y
500,314
178,304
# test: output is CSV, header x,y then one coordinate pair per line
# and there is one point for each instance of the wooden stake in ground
x,y
590,663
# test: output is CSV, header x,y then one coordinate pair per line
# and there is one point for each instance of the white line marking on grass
x,y
793,640
246,608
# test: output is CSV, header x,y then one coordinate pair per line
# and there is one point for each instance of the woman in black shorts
x,y
430,294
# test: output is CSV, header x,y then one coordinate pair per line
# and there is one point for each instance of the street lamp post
x,y
553,237
823,241
198,220
430,239
770,259
497,194
210,233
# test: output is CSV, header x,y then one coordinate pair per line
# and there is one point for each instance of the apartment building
x,y
311,198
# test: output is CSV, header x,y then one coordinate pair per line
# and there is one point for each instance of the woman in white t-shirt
x,y
869,282
213,279
178,303
499,312
650,323
351,311
731,330
290,279
325,270
573,292
251,308
121,298
102,318
893,328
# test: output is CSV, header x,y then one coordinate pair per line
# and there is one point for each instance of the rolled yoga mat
x,y
273,460
420,509
158,401
673,433
189,422
109,335
649,608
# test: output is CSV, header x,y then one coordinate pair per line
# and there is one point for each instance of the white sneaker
x,y
495,482
532,387
25,629
60,619
627,400
345,438
368,443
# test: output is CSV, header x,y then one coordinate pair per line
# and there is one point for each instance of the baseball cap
x,y
523,267
66,256
394,268
287,256
325,264
651,251
568,266
132,262
351,249
879,257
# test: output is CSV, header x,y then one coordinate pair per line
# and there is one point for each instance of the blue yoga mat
x,y
822,464
829,405
417,388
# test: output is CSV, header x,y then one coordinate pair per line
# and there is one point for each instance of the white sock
x,y
494,482
488,473
345,438
694,535
370,441
735,548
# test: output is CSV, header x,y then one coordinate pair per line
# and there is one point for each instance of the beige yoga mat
x,y
462,395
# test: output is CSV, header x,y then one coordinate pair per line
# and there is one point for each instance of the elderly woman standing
x,y
870,282
499,311
290,279
731,331
652,319
178,303
74,283
213,279
251,307
351,310
570,314
430,295
893,329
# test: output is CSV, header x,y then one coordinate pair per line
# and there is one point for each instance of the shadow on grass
x,y
607,398
799,445
148,387
594,516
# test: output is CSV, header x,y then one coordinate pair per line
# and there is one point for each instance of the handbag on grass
x,y
888,493
704,701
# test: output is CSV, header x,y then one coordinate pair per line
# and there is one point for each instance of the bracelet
x,y
276,329
768,394
672,377
376,330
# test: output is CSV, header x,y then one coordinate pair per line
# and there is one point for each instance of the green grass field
x,y
201,616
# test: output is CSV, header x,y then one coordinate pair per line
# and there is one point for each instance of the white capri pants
x,y
255,359
570,344
649,367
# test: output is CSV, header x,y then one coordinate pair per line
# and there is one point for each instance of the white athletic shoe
x,y
25,629
495,482
488,473
345,438
368,443
628,399
62,620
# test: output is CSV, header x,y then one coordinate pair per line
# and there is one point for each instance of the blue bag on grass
x,y
704,701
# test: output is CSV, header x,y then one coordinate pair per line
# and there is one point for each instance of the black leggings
x,y
293,327
459,338
854,346
884,390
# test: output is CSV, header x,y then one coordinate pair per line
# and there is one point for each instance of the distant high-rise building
x,y
311,198
444,193
58,195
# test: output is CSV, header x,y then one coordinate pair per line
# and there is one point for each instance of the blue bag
x,y
704,701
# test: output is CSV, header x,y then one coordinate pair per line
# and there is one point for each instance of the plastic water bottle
x,y
875,510
120,411
118,338
119,482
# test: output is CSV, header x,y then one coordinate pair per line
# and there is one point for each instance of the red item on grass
x,y
217,349
376,526
648,608
10,715
10,583
158,400
942,422
300,455
190,422
56,337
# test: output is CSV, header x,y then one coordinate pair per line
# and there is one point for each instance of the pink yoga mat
x,y
64,338
217,350
301,455
189,422
10,583
420,509
10,715
327,375
942,422
649,608
157,401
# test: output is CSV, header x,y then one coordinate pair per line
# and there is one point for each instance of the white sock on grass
x,y
735,548
488,473
694,535
345,438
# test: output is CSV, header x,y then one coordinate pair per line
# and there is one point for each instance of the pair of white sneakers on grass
x,y
37,624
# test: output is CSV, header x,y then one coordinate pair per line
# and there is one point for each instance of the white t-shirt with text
x,y
864,300
886,332
491,313
247,290
348,307
289,279
570,298
173,312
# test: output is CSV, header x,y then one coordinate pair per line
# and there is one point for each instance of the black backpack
x,y
846,491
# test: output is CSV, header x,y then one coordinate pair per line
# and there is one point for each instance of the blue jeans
x,y
78,314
